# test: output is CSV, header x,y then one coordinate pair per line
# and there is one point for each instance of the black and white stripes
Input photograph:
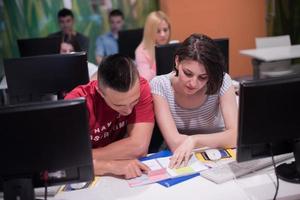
x,y
205,119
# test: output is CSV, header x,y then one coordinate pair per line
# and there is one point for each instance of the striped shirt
x,y
207,118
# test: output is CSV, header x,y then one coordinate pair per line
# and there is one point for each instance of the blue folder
x,y
171,181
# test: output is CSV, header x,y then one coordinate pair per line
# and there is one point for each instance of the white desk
x,y
259,186
271,54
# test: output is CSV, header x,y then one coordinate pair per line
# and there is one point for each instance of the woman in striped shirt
x,y
195,105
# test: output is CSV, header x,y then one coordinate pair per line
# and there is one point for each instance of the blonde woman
x,y
157,31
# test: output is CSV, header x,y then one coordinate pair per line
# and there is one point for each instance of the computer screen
x,y
44,137
269,121
129,40
164,55
164,58
39,46
29,78
223,44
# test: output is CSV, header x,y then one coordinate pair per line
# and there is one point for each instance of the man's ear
x,y
99,90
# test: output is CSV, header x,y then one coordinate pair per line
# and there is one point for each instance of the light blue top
x,y
106,45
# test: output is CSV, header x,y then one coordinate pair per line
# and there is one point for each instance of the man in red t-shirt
x,y
121,117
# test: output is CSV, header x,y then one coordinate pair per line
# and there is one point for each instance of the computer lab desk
x,y
271,54
259,185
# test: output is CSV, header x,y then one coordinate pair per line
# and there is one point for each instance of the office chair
x,y
276,68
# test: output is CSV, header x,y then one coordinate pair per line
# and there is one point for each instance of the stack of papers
x,y
160,170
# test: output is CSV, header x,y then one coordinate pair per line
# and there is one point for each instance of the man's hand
x,y
128,168
183,153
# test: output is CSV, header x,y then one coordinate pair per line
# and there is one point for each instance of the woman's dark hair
x,y
117,72
204,50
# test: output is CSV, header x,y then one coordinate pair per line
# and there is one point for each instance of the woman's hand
x,y
183,153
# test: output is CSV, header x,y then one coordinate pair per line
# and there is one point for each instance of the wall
x,y
239,20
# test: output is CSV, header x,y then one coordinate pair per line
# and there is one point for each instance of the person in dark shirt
x,y
68,35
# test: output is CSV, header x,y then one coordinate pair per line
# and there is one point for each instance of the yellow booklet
x,y
228,155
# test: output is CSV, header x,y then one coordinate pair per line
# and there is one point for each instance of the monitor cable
x,y
277,179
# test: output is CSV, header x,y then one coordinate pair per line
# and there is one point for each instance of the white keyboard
x,y
226,172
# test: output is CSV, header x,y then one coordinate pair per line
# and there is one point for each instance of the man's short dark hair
x,y
202,49
117,72
65,12
116,12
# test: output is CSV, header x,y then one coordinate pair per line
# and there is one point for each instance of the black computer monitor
x,y
269,122
43,143
129,40
39,46
223,44
29,78
164,55
164,58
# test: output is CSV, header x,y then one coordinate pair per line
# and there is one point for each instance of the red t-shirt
x,y
107,125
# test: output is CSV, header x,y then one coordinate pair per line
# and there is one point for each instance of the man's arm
x,y
134,146
129,168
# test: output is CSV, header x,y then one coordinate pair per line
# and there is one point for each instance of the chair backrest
x,y
129,40
274,41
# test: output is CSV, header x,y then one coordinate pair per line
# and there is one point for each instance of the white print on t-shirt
x,y
106,130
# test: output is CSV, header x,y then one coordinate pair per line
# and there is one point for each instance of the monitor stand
x,y
19,188
290,172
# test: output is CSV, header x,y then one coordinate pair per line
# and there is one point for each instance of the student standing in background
x,y
157,31
195,105
107,43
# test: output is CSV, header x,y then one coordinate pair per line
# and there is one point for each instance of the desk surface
x,y
257,186
274,53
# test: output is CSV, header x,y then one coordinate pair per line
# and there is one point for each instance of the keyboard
x,y
225,172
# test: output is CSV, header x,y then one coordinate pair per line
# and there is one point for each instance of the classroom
x,y
149,99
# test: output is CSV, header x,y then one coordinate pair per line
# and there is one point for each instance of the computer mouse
x,y
213,154
76,186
